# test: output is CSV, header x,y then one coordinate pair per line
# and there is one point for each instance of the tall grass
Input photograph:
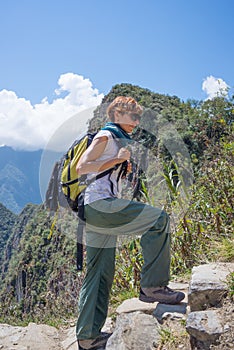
x,y
204,231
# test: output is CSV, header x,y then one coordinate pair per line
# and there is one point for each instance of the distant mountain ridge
x,y
19,178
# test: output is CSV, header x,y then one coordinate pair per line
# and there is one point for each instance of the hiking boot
x,y
163,295
94,344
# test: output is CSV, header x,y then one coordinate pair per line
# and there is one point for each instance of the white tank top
x,y
107,186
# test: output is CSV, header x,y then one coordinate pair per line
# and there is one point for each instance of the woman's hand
x,y
124,154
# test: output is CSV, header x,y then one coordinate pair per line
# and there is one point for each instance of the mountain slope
x,y
7,221
19,178
39,278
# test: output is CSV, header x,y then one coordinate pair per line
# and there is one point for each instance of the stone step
x,y
208,285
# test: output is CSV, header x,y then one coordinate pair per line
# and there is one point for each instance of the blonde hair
x,y
123,104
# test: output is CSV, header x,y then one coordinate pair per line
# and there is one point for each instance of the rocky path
x,y
203,321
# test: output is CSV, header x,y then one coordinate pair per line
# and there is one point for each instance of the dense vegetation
x,y
39,272
202,229
39,277
7,220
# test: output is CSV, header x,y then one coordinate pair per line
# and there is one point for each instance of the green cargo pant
x,y
105,219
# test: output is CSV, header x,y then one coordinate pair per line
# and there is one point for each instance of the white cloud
x,y
30,127
214,87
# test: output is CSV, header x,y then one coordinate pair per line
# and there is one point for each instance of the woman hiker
x,y
108,215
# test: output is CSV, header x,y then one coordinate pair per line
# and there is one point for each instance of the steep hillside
x,y
7,221
39,276
19,178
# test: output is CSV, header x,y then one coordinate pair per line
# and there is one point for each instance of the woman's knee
x,y
163,220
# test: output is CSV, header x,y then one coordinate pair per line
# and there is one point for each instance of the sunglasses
x,y
135,117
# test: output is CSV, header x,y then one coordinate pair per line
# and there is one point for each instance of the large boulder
x,y
204,327
208,285
135,331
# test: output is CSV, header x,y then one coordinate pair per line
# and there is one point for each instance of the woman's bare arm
x,y
88,162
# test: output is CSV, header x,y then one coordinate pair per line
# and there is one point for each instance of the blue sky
x,y
170,47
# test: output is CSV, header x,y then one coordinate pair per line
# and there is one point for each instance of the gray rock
x,y
68,341
134,331
204,327
134,304
167,311
175,316
32,337
208,285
